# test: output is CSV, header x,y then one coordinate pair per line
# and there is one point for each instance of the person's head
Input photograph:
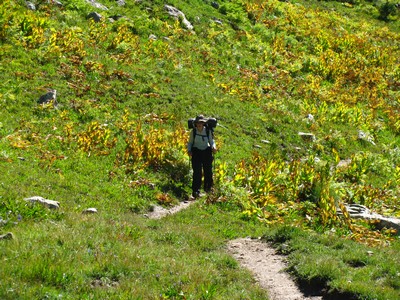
x,y
200,121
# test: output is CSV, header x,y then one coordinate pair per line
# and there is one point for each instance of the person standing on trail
x,y
201,147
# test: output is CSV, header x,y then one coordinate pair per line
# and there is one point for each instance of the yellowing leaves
x,y
309,193
17,141
151,144
397,175
96,138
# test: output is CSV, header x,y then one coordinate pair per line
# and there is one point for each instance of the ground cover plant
x,y
114,139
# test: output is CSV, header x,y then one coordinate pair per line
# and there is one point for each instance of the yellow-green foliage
x,y
284,61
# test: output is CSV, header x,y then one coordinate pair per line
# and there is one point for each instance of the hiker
x,y
201,147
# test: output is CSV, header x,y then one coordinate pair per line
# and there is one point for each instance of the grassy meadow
x,y
307,97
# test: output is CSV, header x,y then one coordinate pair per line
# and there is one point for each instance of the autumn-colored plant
x,y
150,144
96,139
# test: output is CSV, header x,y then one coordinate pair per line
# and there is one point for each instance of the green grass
x,y
344,266
124,255
116,142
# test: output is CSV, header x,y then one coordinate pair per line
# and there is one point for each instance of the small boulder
x,y
46,202
30,5
7,236
307,137
177,14
90,210
366,137
96,4
95,16
49,97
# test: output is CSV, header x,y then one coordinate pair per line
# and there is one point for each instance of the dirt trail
x,y
159,212
261,259
268,268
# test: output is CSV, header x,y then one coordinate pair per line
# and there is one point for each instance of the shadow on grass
x,y
318,288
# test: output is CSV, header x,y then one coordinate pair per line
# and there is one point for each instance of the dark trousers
x,y
202,164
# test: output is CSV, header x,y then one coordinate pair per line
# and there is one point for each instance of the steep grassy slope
x,y
267,70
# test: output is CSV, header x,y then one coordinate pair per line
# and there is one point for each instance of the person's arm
x,y
212,143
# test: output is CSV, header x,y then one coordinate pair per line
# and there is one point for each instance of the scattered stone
x,y
104,282
96,4
115,17
90,210
121,2
215,5
218,21
177,14
152,37
56,2
308,137
46,202
366,137
344,163
95,16
358,211
30,5
49,97
7,236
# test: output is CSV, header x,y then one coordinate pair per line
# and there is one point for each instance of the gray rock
x,y
49,97
96,4
90,210
3,222
46,202
152,37
308,137
57,3
177,14
344,163
215,5
30,5
218,21
366,137
7,236
95,16
358,211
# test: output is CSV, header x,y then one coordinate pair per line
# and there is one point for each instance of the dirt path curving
x,y
268,268
260,258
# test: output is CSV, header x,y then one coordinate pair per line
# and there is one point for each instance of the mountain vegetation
x,y
95,98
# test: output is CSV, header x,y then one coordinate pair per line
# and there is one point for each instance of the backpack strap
x,y
194,136
207,133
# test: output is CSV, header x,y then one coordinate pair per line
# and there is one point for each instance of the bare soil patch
x,y
268,269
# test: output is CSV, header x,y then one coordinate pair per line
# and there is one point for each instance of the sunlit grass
x,y
116,142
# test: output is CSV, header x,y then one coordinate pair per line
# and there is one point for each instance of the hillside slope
x,y
306,95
